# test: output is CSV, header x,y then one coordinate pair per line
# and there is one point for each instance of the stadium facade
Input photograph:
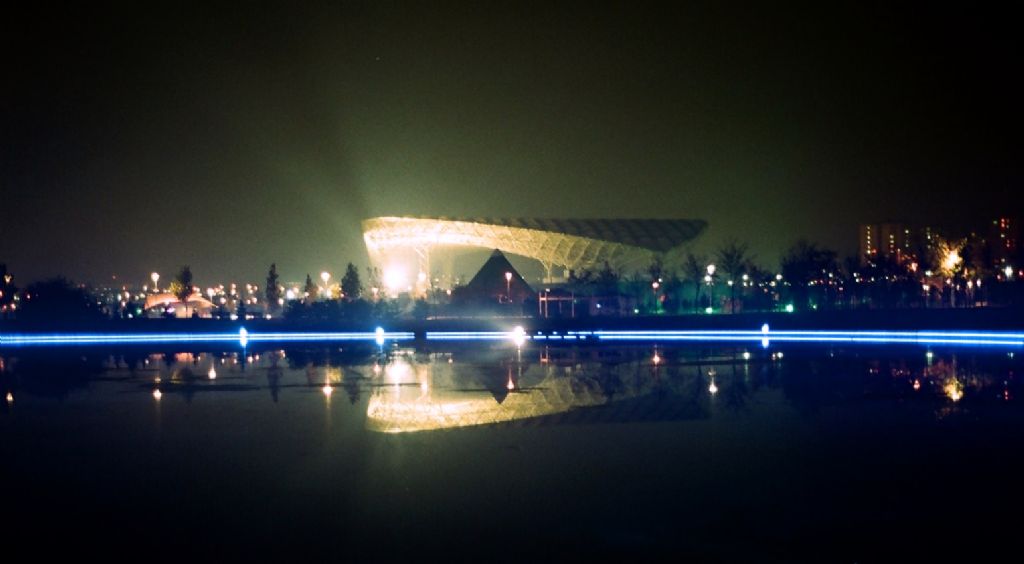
x,y
573,244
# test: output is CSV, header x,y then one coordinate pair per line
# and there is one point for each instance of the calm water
x,y
486,452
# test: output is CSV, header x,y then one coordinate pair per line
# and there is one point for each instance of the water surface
x,y
493,452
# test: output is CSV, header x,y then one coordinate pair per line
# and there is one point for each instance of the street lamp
x,y
325,276
711,287
155,277
508,286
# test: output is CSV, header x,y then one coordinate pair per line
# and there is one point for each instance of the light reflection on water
x,y
583,448
411,390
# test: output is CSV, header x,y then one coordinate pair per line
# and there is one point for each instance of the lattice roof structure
x,y
571,243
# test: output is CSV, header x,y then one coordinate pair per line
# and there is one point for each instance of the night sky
x,y
141,141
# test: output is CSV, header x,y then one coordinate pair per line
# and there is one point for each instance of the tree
x,y
693,271
733,259
310,289
7,291
804,265
373,280
273,290
351,287
182,286
57,299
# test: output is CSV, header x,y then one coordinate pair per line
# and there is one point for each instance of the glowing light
x,y
713,389
929,355
746,355
327,390
157,394
1008,271
378,336
243,336
708,310
511,385
954,390
711,270
155,277
656,359
789,308
394,278
519,335
917,385
10,397
949,253
325,276
212,374
765,329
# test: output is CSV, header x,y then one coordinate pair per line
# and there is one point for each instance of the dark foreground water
x,y
483,452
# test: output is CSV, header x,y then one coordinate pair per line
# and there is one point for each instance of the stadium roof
x,y
572,243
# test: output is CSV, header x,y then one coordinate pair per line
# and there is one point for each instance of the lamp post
x,y
508,286
155,277
711,287
325,276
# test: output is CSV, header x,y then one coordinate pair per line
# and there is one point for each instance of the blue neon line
x,y
86,339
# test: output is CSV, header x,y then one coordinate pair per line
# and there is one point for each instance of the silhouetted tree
x,y
181,287
733,259
57,299
351,286
373,280
7,291
805,264
606,285
273,290
310,289
693,271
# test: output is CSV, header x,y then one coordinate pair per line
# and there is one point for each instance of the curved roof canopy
x,y
572,243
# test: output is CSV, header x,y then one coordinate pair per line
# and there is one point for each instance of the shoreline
x,y
990,319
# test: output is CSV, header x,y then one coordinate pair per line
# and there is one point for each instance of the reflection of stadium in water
x,y
437,394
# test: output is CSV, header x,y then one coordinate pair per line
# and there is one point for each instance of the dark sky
x,y
140,141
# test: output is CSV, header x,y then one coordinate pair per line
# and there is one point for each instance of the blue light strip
x,y
471,335
995,338
990,338
155,338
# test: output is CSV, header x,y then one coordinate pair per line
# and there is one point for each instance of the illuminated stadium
x,y
573,244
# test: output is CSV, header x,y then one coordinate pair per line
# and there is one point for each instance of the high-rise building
x,y
1004,239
